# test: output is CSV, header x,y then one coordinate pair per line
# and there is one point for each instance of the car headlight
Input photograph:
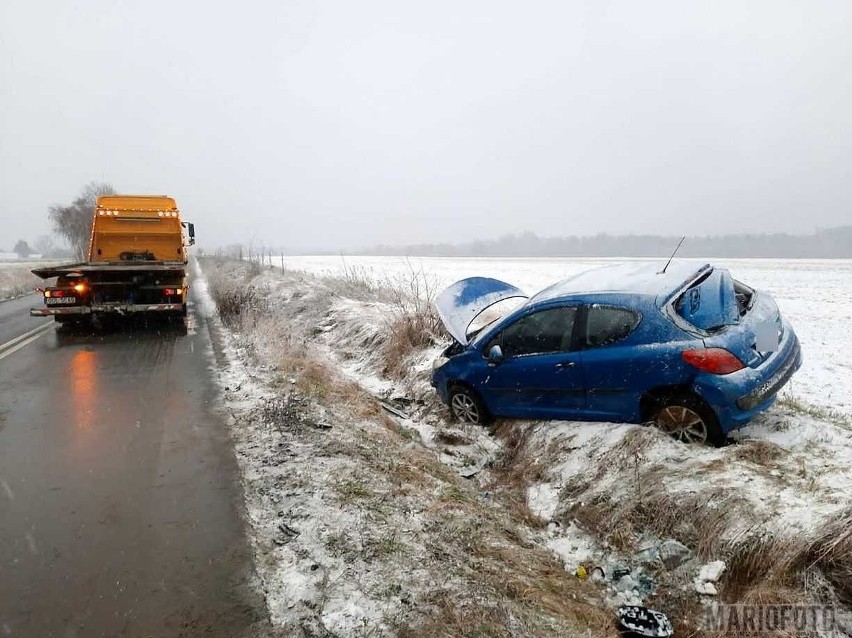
x,y
437,363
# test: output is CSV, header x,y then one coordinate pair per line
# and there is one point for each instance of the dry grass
x,y
515,471
762,568
406,334
759,452
452,437
813,411
831,552
698,519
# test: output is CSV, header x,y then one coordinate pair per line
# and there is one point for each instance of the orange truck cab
x,y
137,263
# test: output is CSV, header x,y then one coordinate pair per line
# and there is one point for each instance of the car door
x,y
614,366
540,374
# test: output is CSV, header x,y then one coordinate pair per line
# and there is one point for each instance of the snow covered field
x,y
815,295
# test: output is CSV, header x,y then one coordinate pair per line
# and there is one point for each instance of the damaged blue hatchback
x,y
687,348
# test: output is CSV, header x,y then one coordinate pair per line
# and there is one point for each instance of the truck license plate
x,y
61,301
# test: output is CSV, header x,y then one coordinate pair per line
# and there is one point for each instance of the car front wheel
x,y
689,420
467,407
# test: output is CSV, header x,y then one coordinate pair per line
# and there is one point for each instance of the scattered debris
x,y
648,554
471,470
393,410
641,621
287,534
708,576
674,553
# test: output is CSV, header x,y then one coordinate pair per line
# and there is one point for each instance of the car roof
x,y
645,279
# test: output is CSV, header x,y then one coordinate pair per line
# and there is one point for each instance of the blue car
x,y
687,348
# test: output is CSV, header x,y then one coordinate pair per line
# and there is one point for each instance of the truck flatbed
x,y
109,266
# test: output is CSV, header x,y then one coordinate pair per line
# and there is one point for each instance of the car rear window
x,y
712,302
606,325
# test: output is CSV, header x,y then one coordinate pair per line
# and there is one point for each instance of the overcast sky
x,y
340,124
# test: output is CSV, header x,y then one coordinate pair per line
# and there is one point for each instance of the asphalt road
x,y
120,506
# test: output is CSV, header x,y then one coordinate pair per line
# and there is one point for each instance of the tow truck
x,y
137,263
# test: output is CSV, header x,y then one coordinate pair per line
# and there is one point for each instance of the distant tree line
x,y
44,247
827,243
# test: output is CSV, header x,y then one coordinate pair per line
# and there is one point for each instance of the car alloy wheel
x,y
682,423
465,408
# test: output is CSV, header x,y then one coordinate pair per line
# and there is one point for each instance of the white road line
x,y
12,346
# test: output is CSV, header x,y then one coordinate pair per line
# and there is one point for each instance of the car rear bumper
x,y
105,308
739,396
770,388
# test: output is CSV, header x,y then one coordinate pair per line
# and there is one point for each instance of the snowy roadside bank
x,y
16,280
774,507
359,527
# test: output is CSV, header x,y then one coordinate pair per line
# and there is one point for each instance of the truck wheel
x,y
183,310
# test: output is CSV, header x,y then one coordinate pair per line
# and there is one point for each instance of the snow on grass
x,y
16,279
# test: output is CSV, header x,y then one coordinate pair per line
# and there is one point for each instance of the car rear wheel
x,y
688,419
467,407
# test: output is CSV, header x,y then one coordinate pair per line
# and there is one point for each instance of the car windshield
x,y
493,314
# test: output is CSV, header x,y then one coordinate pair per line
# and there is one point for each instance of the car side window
x,y
542,332
606,325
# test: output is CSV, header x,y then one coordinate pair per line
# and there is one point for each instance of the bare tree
x,y
45,245
23,249
74,222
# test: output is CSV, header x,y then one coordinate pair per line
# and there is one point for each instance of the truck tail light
x,y
168,292
712,360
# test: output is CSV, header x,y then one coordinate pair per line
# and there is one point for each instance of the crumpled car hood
x,y
461,303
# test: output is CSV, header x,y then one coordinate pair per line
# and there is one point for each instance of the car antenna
x,y
663,271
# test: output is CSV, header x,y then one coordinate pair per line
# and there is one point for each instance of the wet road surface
x,y
120,507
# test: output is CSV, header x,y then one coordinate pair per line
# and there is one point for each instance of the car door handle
x,y
565,364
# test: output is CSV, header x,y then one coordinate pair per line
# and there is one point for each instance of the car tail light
x,y
54,293
713,360
81,288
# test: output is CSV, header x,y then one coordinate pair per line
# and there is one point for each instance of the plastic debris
x,y
674,554
711,572
648,554
620,572
708,576
581,573
625,584
641,621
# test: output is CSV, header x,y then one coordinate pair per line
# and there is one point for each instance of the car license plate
x,y
60,301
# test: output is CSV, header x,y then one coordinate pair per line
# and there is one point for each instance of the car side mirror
x,y
495,355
